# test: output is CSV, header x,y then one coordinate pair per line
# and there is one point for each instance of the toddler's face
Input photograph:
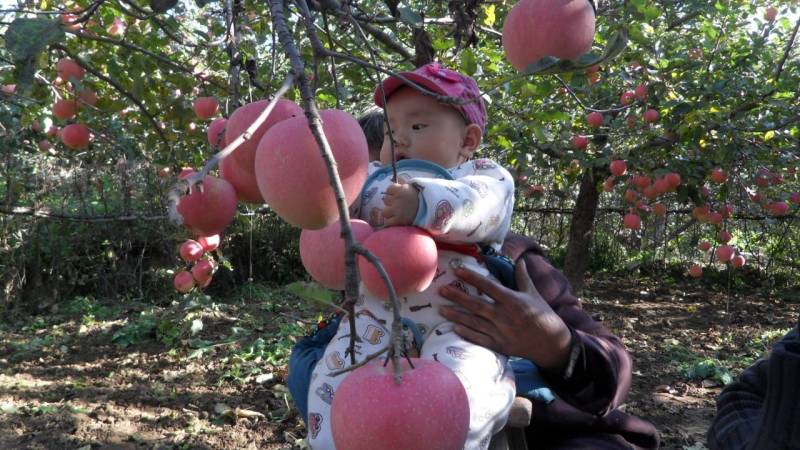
x,y
423,128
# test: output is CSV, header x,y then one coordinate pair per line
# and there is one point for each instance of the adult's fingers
x,y
475,337
492,288
471,303
524,281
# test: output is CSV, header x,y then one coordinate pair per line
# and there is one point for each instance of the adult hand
x,y
401,202
519,323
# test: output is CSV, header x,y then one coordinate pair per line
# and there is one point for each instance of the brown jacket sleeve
x,y
601,375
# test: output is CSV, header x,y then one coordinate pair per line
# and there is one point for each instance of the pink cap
x,y
443,81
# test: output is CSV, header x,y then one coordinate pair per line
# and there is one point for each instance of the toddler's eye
x,y
418,126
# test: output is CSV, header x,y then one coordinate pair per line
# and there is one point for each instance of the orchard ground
x,y
127,375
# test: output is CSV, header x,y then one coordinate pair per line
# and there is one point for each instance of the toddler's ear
x,y
472,140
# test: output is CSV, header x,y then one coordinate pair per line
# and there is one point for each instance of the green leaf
x,y
489,16
409,16
550,65
311,291
19,37
469,63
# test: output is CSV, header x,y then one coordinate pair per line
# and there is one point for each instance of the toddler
x,y
465,204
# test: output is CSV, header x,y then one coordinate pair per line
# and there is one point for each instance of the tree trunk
x,y
580,231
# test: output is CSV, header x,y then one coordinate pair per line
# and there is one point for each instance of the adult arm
x,y
599,376
585,364
760,409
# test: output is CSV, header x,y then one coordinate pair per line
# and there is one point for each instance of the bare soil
x,y
81,391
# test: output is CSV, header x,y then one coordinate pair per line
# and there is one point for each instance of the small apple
x,y
718,175
673,179
724,236
627,98
650,116
580,142
595,119
725,253
191,250
696,271
183,282
618,167
632,221
641,92
205,107
770,14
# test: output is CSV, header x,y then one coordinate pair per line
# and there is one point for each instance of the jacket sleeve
x,y
759,410
599,374
472,208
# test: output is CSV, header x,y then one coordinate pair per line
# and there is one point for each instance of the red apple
x,y
243,182
641,181
64,109
651,115
641,92
770,14
292,176
117,27
183,282
631,196
536,28
409,256
696,271
75,136
608,185
627,98
244,116
205,107
398,423
632,221
778,208
595,119
714,218
659,209
202,272
618,167
209,243
87,96
191,250
580,142
718,175
725,253
673,179
704,246
216,133
322,252
210,211
726,210
69,70
738,261
724,236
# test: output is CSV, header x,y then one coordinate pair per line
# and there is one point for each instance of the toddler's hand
x,y
401,202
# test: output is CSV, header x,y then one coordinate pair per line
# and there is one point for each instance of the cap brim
x,y
392,84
